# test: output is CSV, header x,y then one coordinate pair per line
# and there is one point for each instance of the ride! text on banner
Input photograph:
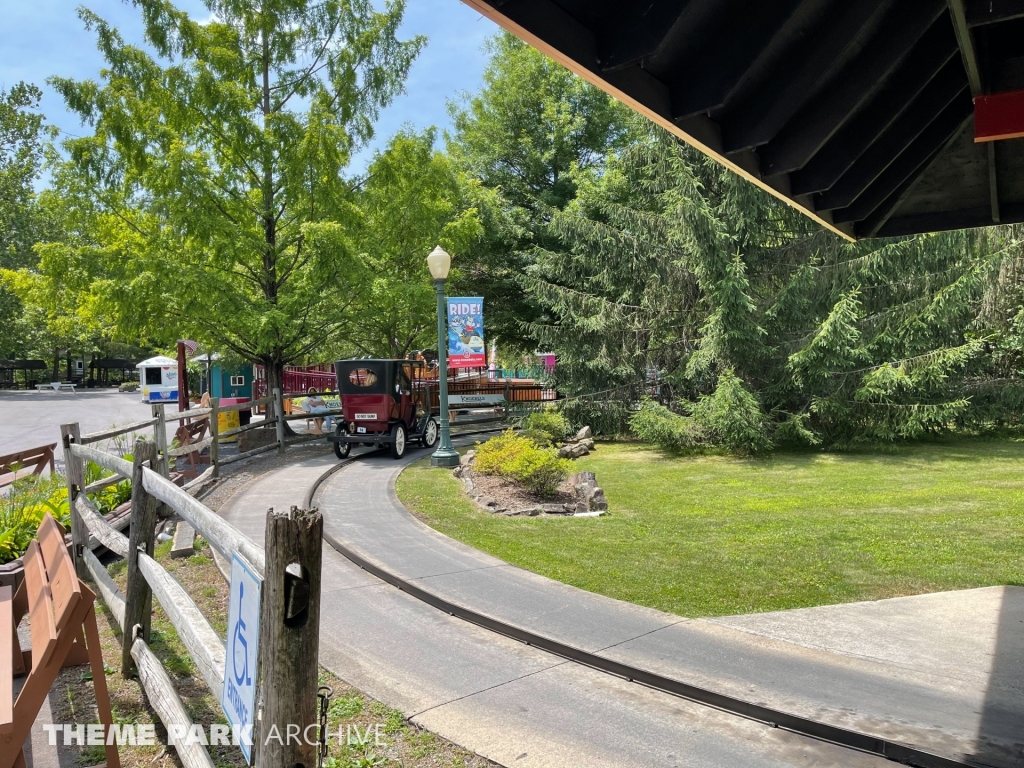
x,y
466,333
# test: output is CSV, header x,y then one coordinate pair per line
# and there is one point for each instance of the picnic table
x,y
15,465
56,386
62,625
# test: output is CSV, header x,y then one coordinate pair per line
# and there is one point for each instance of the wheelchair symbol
x,y
241,645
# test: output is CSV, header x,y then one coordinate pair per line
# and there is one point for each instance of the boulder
x,y
578,450
588,443
584,434
582,479
596,500
256,438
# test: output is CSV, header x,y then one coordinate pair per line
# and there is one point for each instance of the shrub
x,y
29,499
732,417
654,423
518,458
546,427
24,507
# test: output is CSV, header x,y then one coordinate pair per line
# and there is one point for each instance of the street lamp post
x,y
439,263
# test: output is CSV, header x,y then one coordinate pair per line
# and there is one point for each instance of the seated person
x,y
316,404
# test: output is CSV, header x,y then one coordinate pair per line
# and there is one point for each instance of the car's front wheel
x,y
341,450
398,441
430,434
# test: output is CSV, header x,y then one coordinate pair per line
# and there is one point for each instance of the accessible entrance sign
x,y
239,694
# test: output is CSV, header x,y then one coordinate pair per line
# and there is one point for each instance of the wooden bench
x,y
64,634
190,434
13,465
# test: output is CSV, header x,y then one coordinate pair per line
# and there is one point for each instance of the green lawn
x,y
712,536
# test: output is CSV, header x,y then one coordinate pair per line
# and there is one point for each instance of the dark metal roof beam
x,y
891,144
805,69
993,182
869,227
723,59
966,42
946,127
894,47
643,38
943,221
897,110
982,12
965,39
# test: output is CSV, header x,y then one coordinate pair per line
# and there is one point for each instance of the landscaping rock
x,y
256,438
573,451
581,480
553,509
184,541
596,500
584,434
467,458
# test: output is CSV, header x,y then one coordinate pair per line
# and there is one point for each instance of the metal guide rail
x,y
774,718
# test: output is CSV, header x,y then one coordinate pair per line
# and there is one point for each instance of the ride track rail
x,y
773,718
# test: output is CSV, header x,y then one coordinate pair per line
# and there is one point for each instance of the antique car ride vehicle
x,y
384,402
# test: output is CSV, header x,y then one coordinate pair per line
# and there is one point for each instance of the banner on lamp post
x,y
466,332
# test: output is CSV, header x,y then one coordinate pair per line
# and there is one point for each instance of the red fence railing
x,y
478,381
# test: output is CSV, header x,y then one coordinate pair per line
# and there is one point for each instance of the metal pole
x,y
445,455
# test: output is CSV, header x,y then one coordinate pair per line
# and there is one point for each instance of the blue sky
x,y
39,38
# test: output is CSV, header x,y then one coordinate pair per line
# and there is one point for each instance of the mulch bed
x,y
508,495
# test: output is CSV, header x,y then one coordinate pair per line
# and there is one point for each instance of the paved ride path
x,y
944,673
512,703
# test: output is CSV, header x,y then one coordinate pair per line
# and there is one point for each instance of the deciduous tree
x,y
218,163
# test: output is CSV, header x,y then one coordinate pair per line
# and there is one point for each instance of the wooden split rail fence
x,y
70,433
288,693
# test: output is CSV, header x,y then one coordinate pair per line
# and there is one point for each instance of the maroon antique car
x,y
384,402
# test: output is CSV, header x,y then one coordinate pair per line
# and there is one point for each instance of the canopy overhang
x,y
860,113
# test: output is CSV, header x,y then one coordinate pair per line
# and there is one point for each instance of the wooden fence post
x,y
75,473
160,463
138,601
279,413
290,636
160,437
214,436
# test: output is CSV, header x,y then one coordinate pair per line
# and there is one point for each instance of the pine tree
x,y
675,277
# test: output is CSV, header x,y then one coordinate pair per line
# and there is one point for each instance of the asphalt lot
x,y
31,419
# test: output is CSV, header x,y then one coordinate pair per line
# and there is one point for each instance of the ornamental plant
x,y
546,427
519,459
23,509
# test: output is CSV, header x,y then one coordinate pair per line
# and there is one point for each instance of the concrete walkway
x,y
512,703
942,672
